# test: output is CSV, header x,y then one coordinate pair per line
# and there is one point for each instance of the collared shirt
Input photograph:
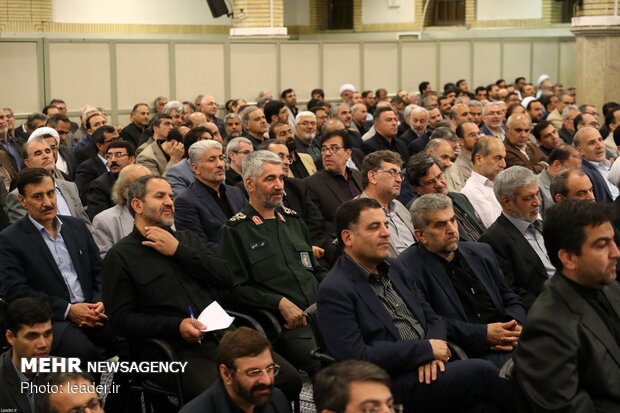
x,y
468,230
62,207
104,161
61,164
348,187
60,253
479,191
534,237
220,198
604,168
400,235
407,325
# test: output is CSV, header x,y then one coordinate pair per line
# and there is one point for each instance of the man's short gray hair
x,y
245,115
232,115
510,180
304,114
173,104
333,110
198,148
443,132
567,110
475,103
253,163
484,108
234,144
425,204
415,109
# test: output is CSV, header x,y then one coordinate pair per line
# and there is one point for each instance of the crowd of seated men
x,y
417,224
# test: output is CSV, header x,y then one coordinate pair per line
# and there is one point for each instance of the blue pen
x,y
191,314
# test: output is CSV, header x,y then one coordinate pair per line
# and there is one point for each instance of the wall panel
x,y
418,64
380,66
19,79
80,74
200,71
517,61
546,59
142,72
455,59
253,66
487,63
300,68
341,64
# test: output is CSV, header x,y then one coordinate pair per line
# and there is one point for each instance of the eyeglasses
x,y
332,149
245,152
433,182
94,405
393,172
395,408
116,155
272,369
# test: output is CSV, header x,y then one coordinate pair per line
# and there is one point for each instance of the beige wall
x,y
115,74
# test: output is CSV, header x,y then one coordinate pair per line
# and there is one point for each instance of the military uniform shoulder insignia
x,y
289,211
240,216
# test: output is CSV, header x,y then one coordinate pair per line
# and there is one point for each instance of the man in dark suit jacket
x,y
425,175
119,154
246,352
139,121
516,235
208,202
29,332
463,283
591,146
568,358
91,169
55,259
386,126
366,310
336,183
62,124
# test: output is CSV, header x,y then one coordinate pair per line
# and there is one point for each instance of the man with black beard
x,y
247,370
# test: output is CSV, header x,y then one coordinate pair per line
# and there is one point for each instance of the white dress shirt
x,y
479,191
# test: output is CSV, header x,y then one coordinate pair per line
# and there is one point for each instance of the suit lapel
x,y
406,294
527,252
441,277
37,240
365,291
478,268
590,319
11,380
74,252
209,202
333,186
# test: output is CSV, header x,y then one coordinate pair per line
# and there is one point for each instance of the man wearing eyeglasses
x,y
519,149
75,393
246,378
236,150
119,154
382,179
91,169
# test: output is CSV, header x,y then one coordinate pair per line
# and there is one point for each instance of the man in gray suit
x,y
38,154
568,358
29,332
382,179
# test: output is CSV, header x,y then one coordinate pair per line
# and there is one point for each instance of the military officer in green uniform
x,y
267,248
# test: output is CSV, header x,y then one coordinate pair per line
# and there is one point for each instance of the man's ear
x,y
420,236
136,205
10,337
568,259
225,373
505,203
22,200
346,235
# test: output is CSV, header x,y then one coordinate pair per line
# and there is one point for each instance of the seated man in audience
x,y
208,202
255,126
382,178
162,152
96,166
492,118
386,130
29,333
567,358
546,136
519,150
74,392
489,159
336,183
236,150
269,252
115,223
516,235
302,164
571,184
296,197
246,377
54,258
85,148
305,135
561,158
65,161
38,154
591,146
353,385
463,283
99,197
139,122
426,177
53,140
153,274
467,134
367,310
